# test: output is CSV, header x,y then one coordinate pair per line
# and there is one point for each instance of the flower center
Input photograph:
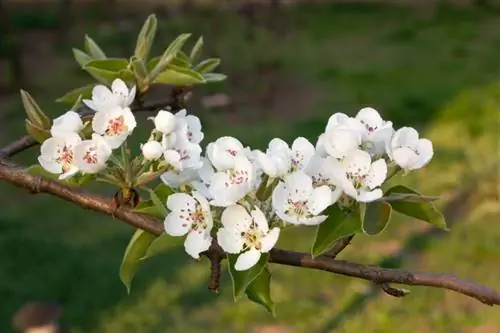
x,y
238,177
116,126
231,152
65,158
369,127
196,218
90,156
297,208
252,238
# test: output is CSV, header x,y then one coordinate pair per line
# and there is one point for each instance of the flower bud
x,y
152,150
164,122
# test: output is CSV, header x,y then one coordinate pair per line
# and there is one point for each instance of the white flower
x,y
231,185
152,150
325,171
302,152
337,119
184,155
164,122
246,232
376,131
340,140
204,177
91,155
277,160
57,154
104,99
189,125
68,122
296,201
408,151
190,215
115,125
224,151
175,179
361,178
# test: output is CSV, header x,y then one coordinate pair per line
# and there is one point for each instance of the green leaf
x,y
242,279
161,244
81,57
178,76
37,133
159,204
336,226
105,71
139,69
196,50
401,192
111,64
214,77
259,291
163,191
72,96
137,247
146,38
37,170
207,65
149,208
169,54
425,211
375,216
80,179
93,49
181,62
34,112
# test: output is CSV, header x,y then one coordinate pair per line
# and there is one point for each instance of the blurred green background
x,y
434,66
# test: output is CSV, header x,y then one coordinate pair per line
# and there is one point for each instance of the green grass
x,y
433,73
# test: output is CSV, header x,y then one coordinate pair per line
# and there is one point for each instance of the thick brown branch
x,y
378,275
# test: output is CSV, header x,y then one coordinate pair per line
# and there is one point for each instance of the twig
x,y
339,246
215,267
394,292
17,176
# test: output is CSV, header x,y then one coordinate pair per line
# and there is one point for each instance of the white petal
x,y
302,152
206,209
119,87
131,96
298,185
164,122
152,150
173,158
405,157
229,241
90,104
357,161
425,151
176,224
405,137
68,122
236,218
129,119
270,240
100,122
178,201
247,260
278,198
377,174
370,117
260,219
72,171
197,242
181,113
320,199
49,164
278,145
315,220
266,163
368,196
341,140
336,119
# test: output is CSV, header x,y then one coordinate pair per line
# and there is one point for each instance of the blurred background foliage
x,y
434,65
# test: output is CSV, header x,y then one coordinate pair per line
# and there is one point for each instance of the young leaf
x,y
37,133
146,38
375,216
81,57
259,291
136,248
196,50
148,207
159,204
93,49
105,71
178,76
161,244
72,96
163,191
207,65
139,69
401,192
241,279
111,64
169,54
214,77
425,211
37,170
337,225
34,112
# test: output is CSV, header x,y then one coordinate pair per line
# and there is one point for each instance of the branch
x,y
339,246
382,276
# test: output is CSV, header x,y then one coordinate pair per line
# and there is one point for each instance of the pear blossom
x,y
176,178
68,122
376,131
337,119
152,150
361,178
224,151
57,154
302,151
184,154
189,125
91,155
276,162
325,171
408,151
191,215
164,122
245,233
204,177
340,140
296,201
104,99
115,125
231,185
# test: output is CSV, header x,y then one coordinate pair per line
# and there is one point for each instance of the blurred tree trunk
x,y
12,48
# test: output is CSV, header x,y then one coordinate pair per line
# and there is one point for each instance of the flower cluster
x,y
240,197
